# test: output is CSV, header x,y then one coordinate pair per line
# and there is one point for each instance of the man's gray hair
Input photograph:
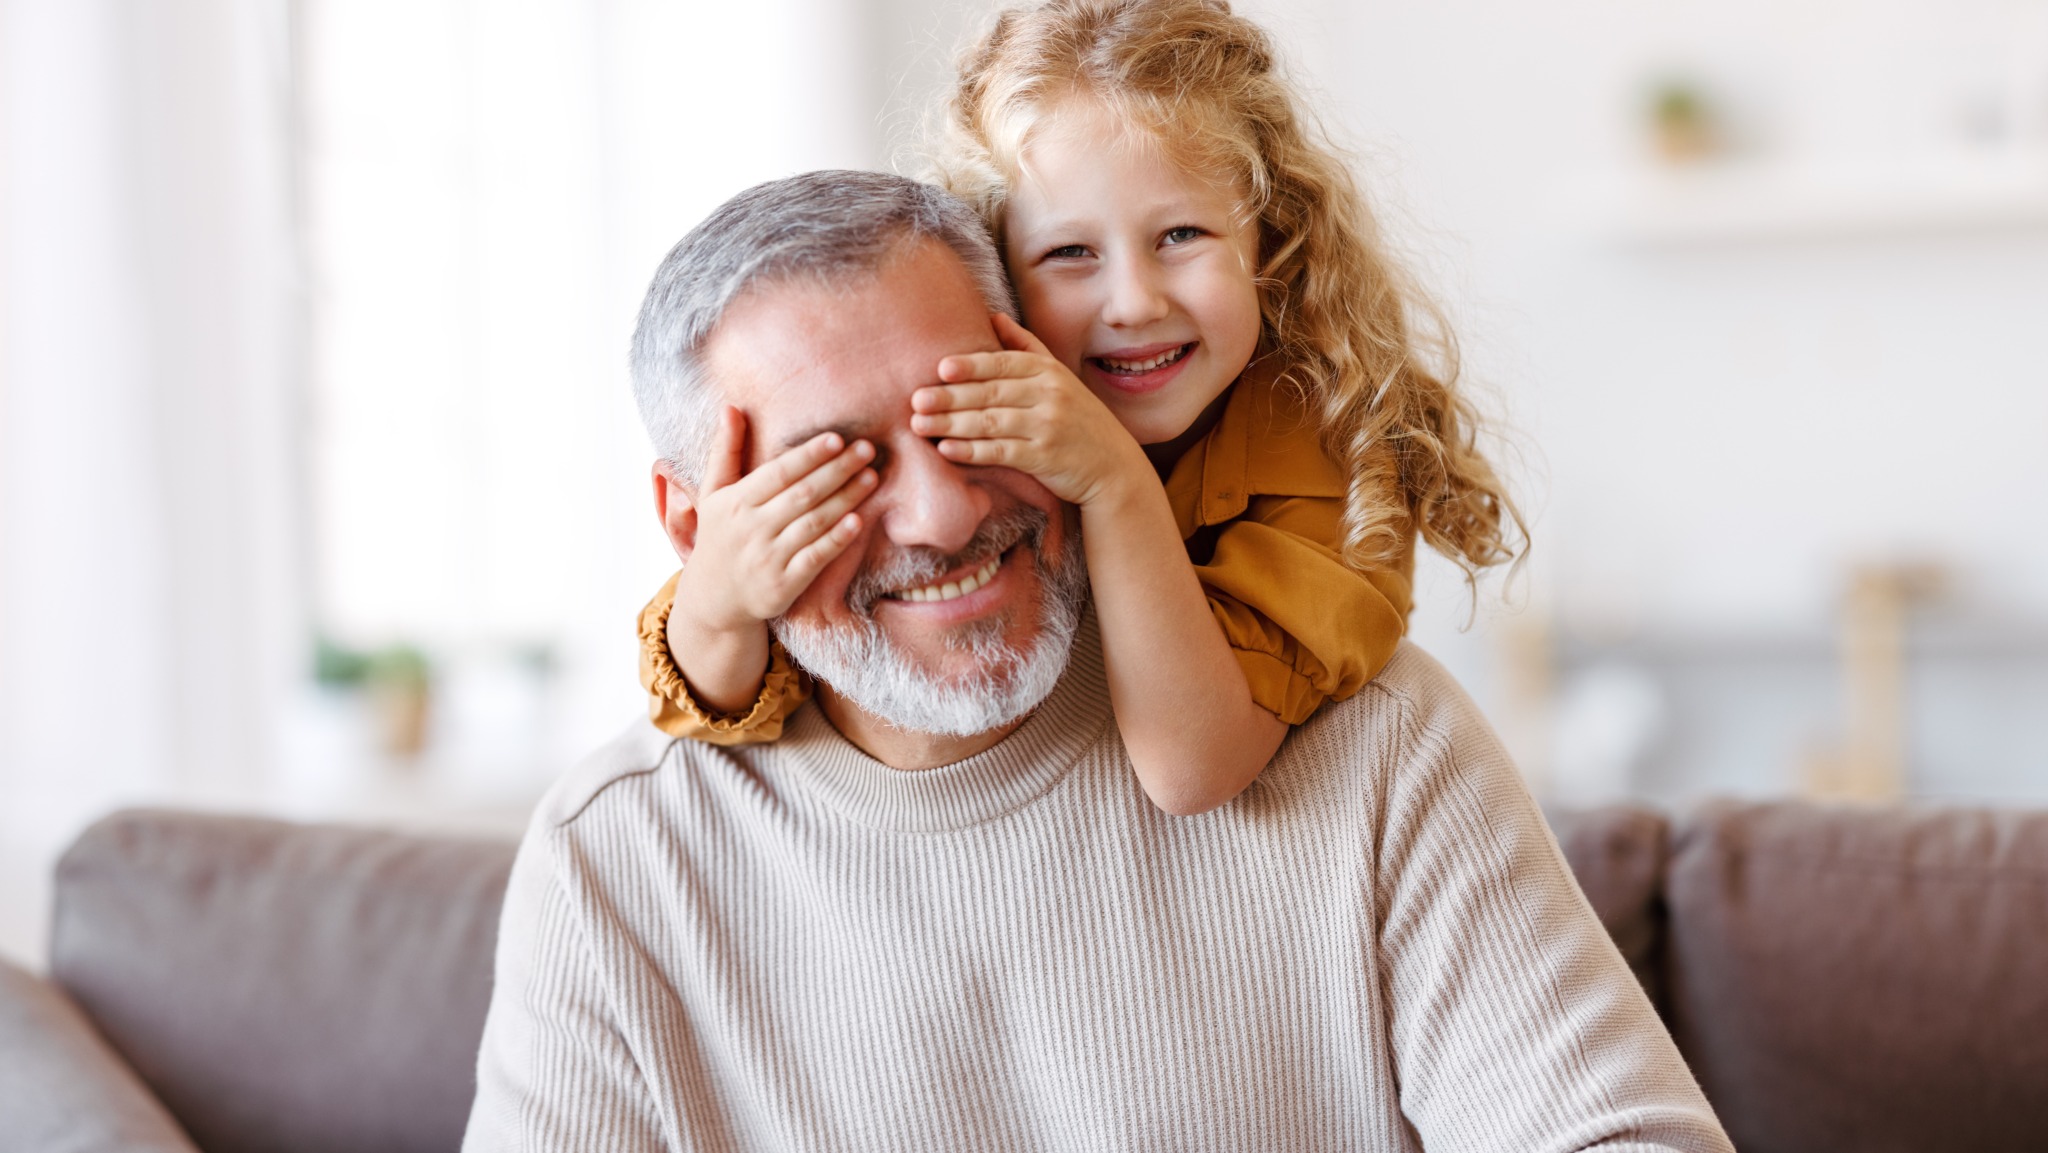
x,y
828,226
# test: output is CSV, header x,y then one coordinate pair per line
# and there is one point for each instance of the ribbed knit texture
x,y
793,946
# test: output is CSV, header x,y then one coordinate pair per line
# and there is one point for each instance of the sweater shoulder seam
x,y
1415,737
1455,765
583,786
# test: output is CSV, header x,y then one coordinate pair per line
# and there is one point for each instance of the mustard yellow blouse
x,y
1262,510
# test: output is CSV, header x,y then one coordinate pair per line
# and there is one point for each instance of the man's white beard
x,y
860,663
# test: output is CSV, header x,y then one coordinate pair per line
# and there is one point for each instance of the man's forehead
x,y
804,356
858,391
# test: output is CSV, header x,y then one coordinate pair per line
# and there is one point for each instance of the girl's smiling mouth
x,y
1142,369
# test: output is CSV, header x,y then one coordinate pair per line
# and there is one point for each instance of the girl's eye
x,y
1183,234
1067,252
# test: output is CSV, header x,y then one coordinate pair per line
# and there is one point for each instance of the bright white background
x,y
312,320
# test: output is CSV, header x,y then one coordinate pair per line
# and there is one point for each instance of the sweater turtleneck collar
x,y
993,783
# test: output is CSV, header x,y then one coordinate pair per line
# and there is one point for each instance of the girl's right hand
x,y
761,539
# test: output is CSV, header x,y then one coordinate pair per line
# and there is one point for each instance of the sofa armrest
x,y
62,1090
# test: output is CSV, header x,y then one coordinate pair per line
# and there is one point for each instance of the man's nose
x,y
928,501
1136,295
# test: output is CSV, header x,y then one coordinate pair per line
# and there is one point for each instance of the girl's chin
x,y
1158,417
1152,429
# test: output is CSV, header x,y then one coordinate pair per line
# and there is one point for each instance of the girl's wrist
x,y
1130,484
690,630
724,669
703,613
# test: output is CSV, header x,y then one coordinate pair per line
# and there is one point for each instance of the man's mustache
x,y
912,567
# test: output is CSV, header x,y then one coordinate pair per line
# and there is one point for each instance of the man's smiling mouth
x,y
951,590
1149,364
980,562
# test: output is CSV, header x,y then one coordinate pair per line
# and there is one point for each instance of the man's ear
x,y
676,504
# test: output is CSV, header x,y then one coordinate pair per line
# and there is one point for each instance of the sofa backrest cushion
x,y
282,986
1617,855
1871,980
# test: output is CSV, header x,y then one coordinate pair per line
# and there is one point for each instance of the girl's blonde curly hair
x,y
1353,333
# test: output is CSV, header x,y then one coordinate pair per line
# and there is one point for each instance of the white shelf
x,y
1744,201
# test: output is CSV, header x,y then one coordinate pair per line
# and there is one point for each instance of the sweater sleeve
x,y
1306,627
675,711
553,1072
1515,1022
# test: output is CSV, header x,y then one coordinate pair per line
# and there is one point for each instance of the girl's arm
x,y
1186,714
1195,736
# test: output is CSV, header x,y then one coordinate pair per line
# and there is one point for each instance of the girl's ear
x,y
675,503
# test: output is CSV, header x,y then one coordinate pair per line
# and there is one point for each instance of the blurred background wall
x,y
321,492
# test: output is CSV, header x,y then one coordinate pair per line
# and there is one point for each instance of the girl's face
x,y
1136,273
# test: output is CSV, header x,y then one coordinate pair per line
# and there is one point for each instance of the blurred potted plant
x,y
1683,123
398,682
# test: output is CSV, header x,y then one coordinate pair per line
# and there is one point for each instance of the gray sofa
x,y
1839,979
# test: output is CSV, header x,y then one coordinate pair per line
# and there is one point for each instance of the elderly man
x,y
939,914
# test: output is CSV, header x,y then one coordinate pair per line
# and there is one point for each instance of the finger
x,y
811,559
764,483
1019,454
819,520
968,366
1016,337
728,451
977,423
814,486
1008,392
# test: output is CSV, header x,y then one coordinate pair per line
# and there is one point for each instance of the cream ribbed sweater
x,y
793,946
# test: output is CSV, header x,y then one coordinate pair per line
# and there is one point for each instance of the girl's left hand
x,y
1022,409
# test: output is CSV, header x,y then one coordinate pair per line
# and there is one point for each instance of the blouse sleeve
x,y
1306,627
679,714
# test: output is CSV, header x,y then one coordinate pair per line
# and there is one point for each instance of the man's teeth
x,y
950,589
1160,361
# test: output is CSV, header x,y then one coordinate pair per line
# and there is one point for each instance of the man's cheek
x,y
1023,487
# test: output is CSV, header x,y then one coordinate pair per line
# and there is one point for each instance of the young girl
x,y
1221,370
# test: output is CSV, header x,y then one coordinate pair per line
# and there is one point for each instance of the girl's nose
x,y
1136,297
928,501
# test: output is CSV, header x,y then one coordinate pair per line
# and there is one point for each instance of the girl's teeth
x,y
951,590
1160,361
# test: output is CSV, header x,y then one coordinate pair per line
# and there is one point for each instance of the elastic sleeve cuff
x,y
675,711
1277,687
